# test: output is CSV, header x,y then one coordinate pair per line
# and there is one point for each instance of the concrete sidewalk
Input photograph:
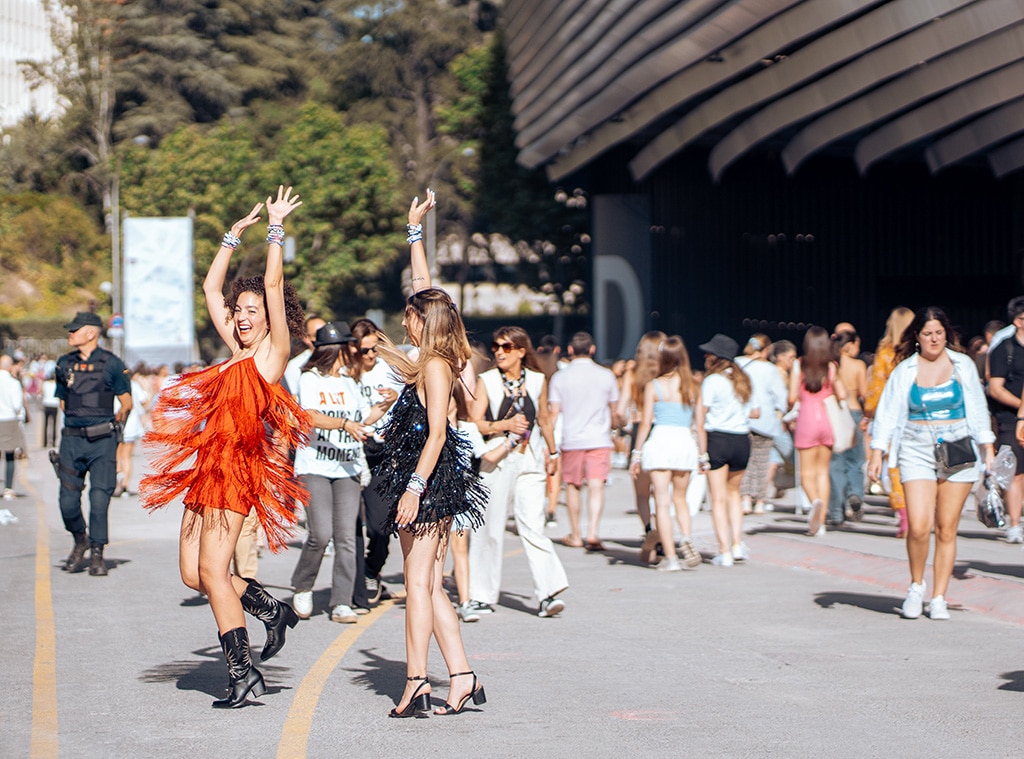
x,y
800,652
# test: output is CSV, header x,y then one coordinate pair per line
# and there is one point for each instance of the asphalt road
x,y
798,653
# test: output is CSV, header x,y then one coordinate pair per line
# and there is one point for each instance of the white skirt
x,y
669,447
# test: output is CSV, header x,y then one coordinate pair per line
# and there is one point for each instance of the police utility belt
x,y
94,432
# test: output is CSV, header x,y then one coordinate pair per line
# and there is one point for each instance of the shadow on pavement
x,y
1015,681
383,676
210,675
867,601
1009,570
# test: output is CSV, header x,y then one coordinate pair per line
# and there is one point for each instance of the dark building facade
x,y
838,170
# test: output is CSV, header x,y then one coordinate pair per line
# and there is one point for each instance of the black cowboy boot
x,y
97,566
276,615
75,562
242,675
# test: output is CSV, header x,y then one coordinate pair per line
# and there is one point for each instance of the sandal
x,y
572,542
593,545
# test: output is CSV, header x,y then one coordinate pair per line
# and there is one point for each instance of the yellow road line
x,y
295,733
45,741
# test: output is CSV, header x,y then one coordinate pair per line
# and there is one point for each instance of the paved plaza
x,y
799,653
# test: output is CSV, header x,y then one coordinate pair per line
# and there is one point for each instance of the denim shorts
x,y
917,451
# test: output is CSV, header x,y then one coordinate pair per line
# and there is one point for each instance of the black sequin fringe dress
x,y
453,491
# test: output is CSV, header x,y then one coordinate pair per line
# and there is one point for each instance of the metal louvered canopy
x,y
937,80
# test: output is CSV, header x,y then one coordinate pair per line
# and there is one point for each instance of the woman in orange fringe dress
x,y
238,423
885,361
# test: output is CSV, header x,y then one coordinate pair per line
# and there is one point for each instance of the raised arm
x,y
273,284
213,285
417,250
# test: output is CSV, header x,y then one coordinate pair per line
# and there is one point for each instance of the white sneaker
x,y
302,602
344,614
723,560
1014,534
740,552
937,609
329,550
466,613
9,496
914,603
670,564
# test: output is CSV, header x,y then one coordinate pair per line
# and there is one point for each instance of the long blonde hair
x,y
443,336
895,325
645,363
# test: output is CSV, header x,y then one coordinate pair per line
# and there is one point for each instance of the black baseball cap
x,y
84,319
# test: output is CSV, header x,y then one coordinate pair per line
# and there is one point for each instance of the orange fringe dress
x,y
223,439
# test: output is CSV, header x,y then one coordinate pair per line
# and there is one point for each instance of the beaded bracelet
x,y
414,233
275,233
417,485
230,241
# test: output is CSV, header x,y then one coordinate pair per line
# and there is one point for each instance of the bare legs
x,y
595,506
661,479
814,479
642,491
726,507
934,504
428,611
204,557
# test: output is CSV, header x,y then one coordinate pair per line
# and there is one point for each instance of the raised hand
x,y
417,211
246,221
285,203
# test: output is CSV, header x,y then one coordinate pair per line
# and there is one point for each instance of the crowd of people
x,y
439,441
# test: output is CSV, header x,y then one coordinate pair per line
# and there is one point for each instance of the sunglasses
x,y
368,351
504,347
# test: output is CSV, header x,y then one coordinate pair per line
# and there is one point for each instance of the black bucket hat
x,y
721,346
333,333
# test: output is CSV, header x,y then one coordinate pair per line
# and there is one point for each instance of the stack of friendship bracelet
x,y
230,241
417,485
275,233
414,232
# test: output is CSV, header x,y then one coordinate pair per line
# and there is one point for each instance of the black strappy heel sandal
x,y
477,694
420,702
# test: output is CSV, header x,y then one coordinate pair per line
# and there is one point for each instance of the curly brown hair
x,y
292,309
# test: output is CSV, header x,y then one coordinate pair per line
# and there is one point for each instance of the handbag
x,y
844,429
954,456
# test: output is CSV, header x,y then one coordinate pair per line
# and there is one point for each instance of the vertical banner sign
x,y
159,324
622,273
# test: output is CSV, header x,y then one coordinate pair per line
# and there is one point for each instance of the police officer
x,y
88,379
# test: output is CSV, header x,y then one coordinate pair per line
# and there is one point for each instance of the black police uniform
x,y
89,440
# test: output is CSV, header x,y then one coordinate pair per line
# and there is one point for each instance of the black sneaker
x,y
374,589
551,606
856,513
480,607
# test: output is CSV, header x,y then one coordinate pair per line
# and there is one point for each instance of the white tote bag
x,y
844,429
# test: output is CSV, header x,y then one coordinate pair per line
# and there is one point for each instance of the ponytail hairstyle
x,y
673,357
757,343
739,379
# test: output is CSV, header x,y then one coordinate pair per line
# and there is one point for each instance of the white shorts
x,y
669,447
917,451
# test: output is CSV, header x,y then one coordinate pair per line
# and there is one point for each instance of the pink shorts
x,y
580,466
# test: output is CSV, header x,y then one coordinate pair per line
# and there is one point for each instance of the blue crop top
x,y
942,403
671,413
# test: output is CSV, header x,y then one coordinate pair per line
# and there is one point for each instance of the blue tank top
x,y
671,413
943,402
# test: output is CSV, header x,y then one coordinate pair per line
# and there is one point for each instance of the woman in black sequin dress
x,y
427,478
